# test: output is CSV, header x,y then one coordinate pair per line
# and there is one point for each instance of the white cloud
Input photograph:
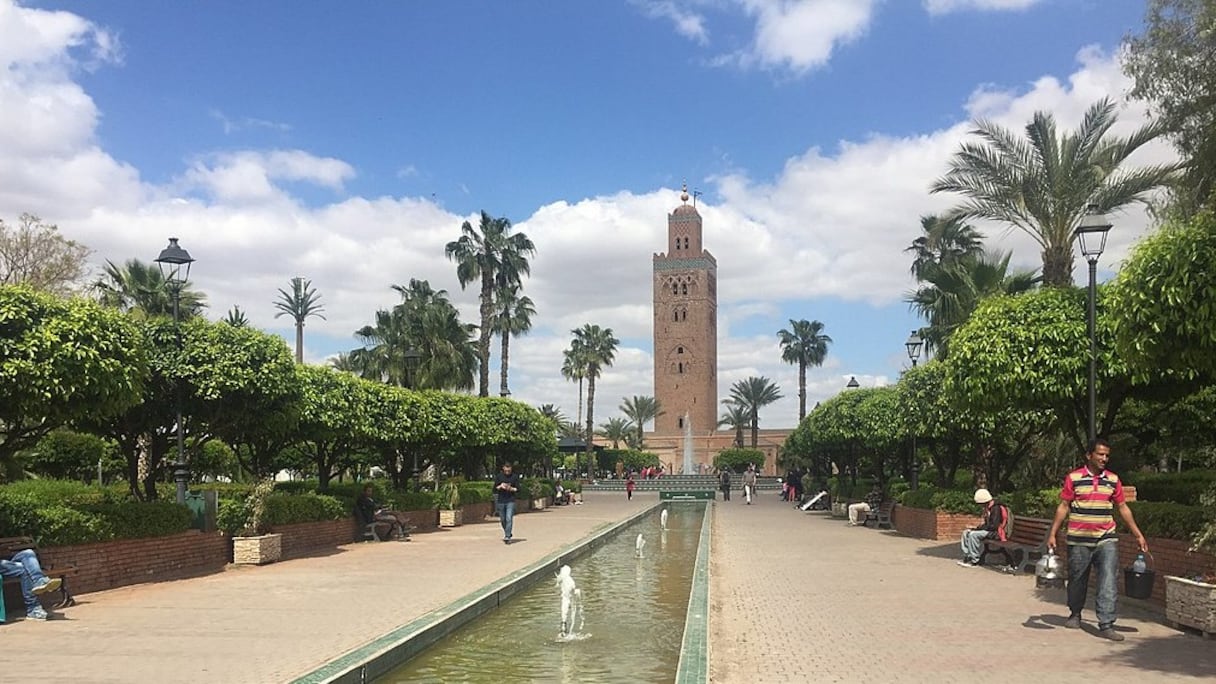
x,y
236,124
947,6
800,35
687,22
832,223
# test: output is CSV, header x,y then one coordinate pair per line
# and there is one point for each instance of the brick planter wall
x,y
300,539
476,513
936,525
105,565
1170,557
421,521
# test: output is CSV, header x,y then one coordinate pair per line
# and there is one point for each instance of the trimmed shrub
x,y
286,509
535,488
944,500
572,485
1166,520
481,492
737,460
1032,503
140,519
1183,488
62,513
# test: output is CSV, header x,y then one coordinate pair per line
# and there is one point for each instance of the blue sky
x,y
346,143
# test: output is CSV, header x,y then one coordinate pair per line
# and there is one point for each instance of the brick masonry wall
x,y
926,524
476,513
421,521
106,565
299,539
1169,557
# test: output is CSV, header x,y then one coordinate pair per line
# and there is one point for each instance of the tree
x,y
495,257
641,410
1173,66
596,350
753,394
301,303
944,241
1161,302
617,430
62,361
334,418
575,368
236,318
512,317
1044,183
136,286
804,344
33,253
554,414
737,417
949,293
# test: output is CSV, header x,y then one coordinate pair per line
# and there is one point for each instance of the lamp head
x,y
1091,232
172,258
913,346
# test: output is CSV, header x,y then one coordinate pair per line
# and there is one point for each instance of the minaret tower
x,y
686,327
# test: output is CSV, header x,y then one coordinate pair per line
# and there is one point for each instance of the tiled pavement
x,y
795,597
802,597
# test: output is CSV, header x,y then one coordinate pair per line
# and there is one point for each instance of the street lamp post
x,y
1091,234
913,346
170,261
412,359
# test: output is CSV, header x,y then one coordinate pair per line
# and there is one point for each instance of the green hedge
x,y
572,485
737,459
1182,488
477,492
60,513
1166,520
944,500
287,509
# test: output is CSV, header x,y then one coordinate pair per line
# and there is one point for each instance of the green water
x,y
634,611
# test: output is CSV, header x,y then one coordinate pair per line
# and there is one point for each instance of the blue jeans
x,y
25,565
506,516
973,544
1104,558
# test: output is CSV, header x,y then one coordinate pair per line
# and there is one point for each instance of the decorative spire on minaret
x,y
684,194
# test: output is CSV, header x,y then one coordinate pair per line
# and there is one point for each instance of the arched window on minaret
x,y
684,315
679,350
685,243
675,316
684,289
675,288
680,367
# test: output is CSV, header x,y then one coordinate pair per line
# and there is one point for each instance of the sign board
x,y
688,495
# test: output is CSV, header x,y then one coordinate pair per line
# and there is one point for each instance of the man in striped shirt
x,y
1089,499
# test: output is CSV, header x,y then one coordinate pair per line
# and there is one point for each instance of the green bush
x,y
572,485
62,513
1183,488
1032,503
535,488
230,516
286,509
67,492
737,460
140,519
478,492
70,455
1166,520
412,501
944,500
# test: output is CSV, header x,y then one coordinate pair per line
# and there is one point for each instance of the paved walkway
x,y
799,597
274,623
795,597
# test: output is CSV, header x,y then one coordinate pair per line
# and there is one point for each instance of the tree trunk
x,y
299,341
483,341
801,390
589,434
1057,266
739,435
755,429
579,419
503,391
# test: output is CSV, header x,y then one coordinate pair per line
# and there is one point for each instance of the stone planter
x,y
260,550
539,504
1191,603
451,518
840,509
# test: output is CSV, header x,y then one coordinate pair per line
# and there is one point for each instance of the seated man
x,y
369,512
996,515
34,582
857,511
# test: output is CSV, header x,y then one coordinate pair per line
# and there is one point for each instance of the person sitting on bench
x,y
34,582
369,512
996,516
857,511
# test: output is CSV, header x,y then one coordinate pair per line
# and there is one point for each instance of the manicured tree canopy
x,y
335,417
62,360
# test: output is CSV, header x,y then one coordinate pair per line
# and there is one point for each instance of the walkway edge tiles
x,y
694,650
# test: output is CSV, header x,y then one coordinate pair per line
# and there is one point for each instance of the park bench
x,y
882,516
1026,536
11,545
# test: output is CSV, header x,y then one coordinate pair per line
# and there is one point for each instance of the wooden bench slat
x,y
1027,536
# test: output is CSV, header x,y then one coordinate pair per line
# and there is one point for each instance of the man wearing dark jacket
x,y
996,516
369,512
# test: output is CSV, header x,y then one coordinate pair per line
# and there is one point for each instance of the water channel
x,y
633,618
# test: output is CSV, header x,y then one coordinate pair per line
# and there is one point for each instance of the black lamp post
x,y
913,346
412,359
852,384
170,261
1091,234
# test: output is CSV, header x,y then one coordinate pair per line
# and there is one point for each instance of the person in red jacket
x,y
996,517
629,485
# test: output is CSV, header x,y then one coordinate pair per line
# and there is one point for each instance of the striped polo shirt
x,y
1091,505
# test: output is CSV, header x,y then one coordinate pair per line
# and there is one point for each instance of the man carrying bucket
x,y
1090,496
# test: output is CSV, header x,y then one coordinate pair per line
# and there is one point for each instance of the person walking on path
x,y
1090,496
724,483
506,483
996,516
749,483
629,485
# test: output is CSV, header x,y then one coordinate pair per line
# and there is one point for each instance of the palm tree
x,y
945,240
136,286
949,294
346,363
574,368
596,350
1044,183
753,394
804,344
302,302
491,254
736,417
616,430
236,318
641,410
554,414
512,317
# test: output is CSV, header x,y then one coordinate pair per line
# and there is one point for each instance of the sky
x,y
347,142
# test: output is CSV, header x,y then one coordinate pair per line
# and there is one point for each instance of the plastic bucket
x,y
1138,585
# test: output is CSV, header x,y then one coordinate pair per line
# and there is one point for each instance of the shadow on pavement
x,y
950,551
1180,653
